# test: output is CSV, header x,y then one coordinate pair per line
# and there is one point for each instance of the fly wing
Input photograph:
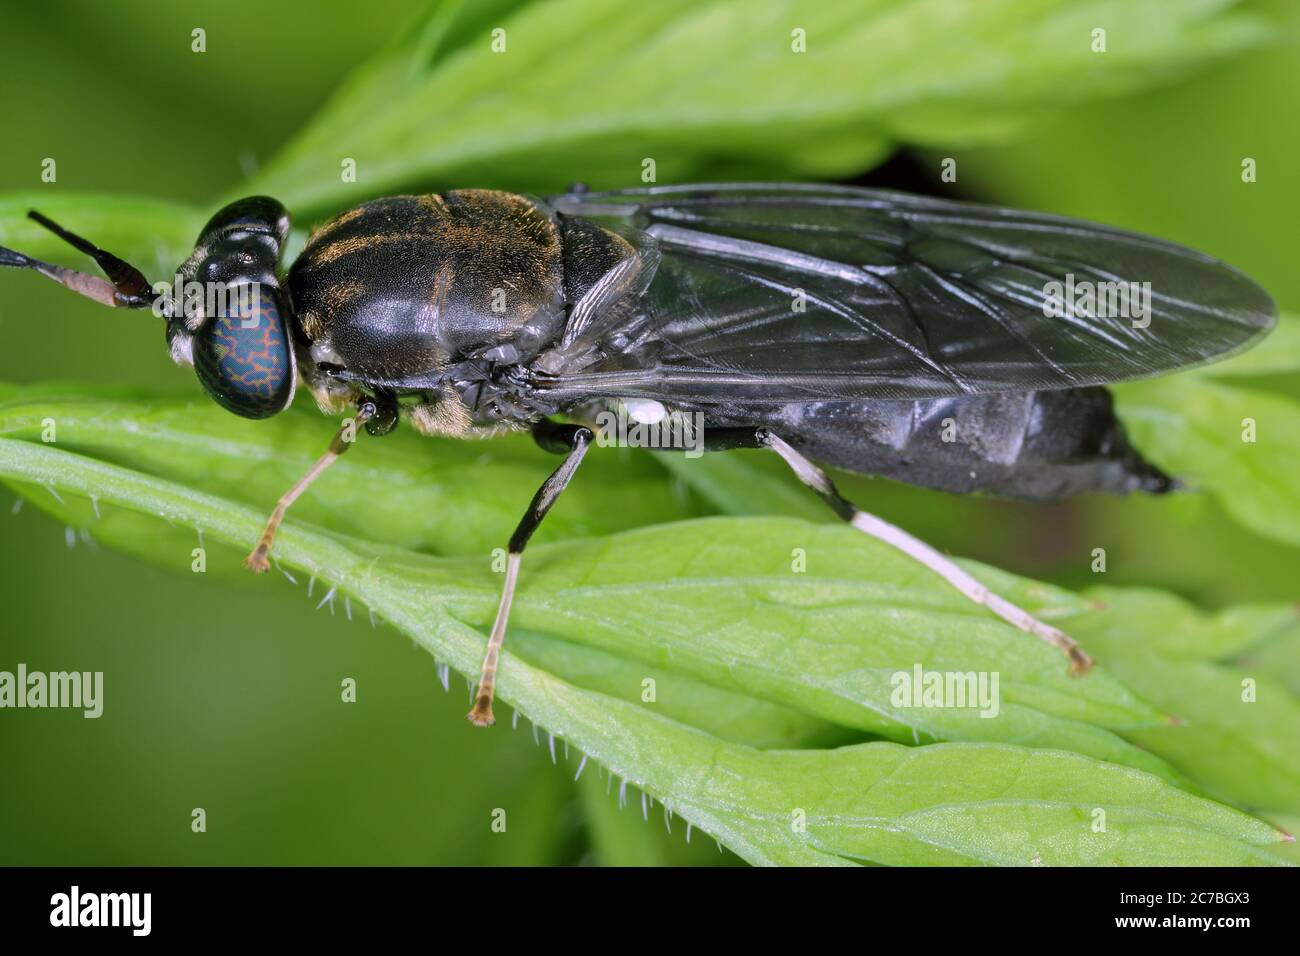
x,y
789,293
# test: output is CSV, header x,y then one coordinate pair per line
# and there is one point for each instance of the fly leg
x,y
820,482
572,440
257,560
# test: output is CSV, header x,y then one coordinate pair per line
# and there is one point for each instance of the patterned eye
x,y
242,356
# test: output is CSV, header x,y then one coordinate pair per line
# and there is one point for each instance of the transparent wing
x,y
788,292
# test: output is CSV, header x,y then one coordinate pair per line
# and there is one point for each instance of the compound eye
x,y
242,355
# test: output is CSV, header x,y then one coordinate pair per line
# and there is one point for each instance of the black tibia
x,y
556,438
1033,445
575,440
559,439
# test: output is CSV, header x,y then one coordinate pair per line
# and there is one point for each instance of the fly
x,y
947,345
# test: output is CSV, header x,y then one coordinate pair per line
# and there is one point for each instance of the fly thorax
x,y
500,279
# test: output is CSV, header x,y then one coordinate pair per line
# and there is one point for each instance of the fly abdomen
x,y
1033,445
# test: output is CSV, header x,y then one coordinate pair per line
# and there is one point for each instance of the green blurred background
x,y
224,693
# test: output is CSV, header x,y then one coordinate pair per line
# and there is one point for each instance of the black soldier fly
x,y
830,324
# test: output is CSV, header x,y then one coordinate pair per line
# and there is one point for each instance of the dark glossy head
x,y
229,315
226,314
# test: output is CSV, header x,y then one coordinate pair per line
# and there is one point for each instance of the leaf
x,y
1277,658
1195,427
618,837
1277,354
987,803
585,89
737,484
1221,430
440,496
1290,850
726,714
1020,807
1161,623
1244,751
718,599
726,610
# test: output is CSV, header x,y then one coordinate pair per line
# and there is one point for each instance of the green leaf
x,y
618,837
1224,430
738,484
1022,808
728,610
1239,444
440,496
726,714
1277,658
1160,623
878,802
718,599
586,89
1241,748
1277,354
1290,850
